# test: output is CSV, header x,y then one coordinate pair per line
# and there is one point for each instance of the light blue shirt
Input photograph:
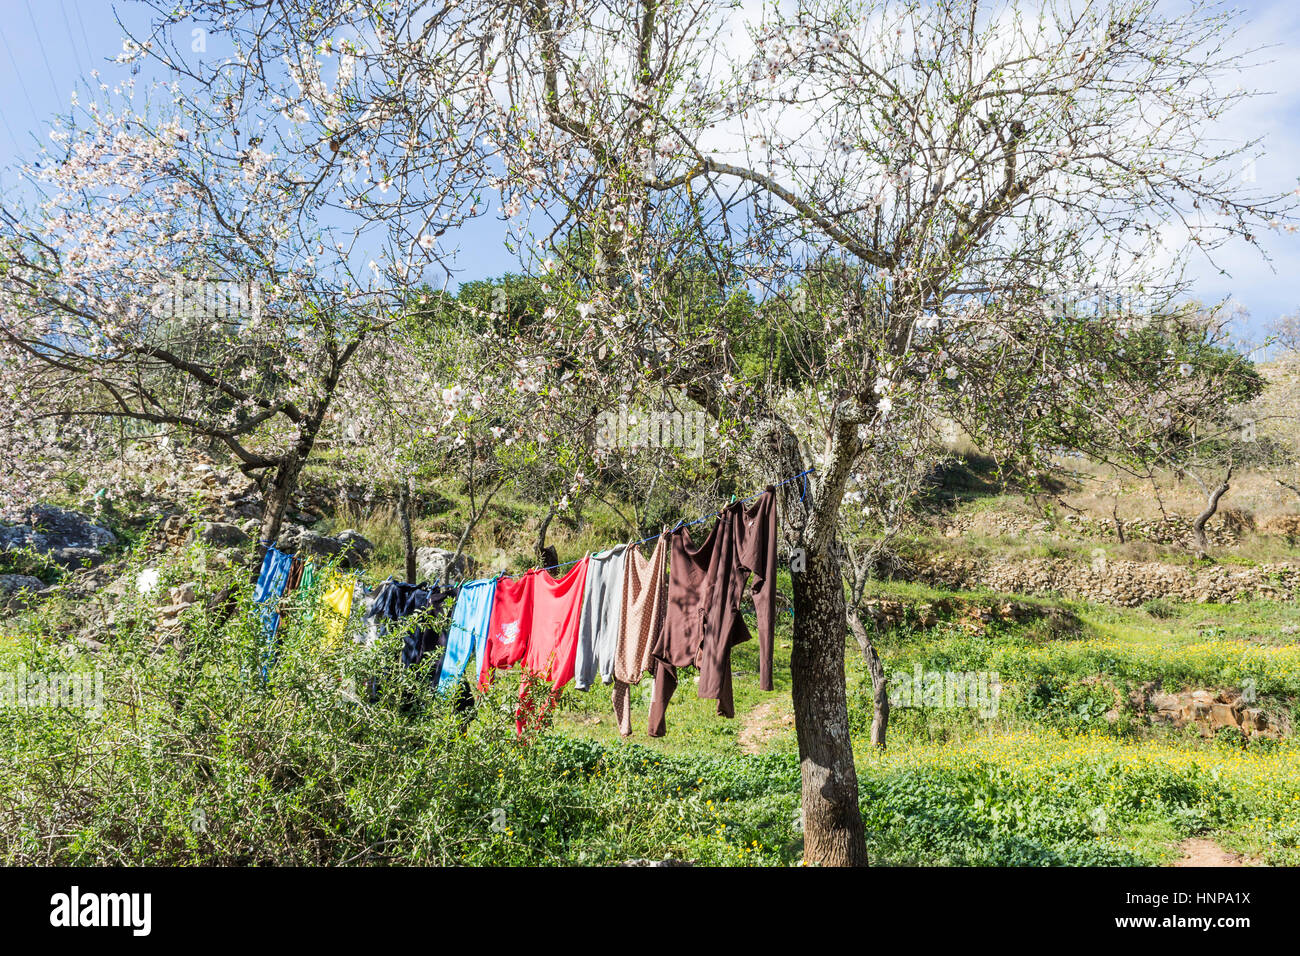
x,y
469,631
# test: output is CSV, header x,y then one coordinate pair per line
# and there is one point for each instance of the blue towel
x,y
270,588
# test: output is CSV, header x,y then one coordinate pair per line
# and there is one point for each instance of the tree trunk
x,y
281,487
1202,543
832,820
547,556
404,518
879,683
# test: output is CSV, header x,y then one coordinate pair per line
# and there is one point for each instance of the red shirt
x,y
510,627
557,614
535,619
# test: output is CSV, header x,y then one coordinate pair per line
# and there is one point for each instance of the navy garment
x,y
397,600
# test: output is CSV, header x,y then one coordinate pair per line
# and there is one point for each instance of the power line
x,y
90,57
22,83
40,45
17,146
81,67
18,74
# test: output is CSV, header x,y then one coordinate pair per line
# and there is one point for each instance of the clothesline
x,y
691,524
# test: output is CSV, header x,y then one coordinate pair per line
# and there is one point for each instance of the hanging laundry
x,y
302,576
703,620
469,632
271,583
336,595
310,577
510,625
552,641
602,609
397,601
644,599
296,566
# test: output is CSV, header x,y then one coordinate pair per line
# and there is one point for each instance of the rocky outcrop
x,y
1210,712
350,548
69,538
1213,711
1125,583
971,614
16,590
307,543
432,564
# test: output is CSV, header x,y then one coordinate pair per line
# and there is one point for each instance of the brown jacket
x,y
704,622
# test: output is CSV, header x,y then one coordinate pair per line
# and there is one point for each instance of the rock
x,y
173,528
431,564
219,534
180,598
16,590
92,580
1224,715
79,557
356,542
1166,703
1254,718
70,538
306,543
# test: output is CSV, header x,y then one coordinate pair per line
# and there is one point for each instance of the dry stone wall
x,y
1125,583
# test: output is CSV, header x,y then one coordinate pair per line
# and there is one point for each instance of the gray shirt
x,y
602,607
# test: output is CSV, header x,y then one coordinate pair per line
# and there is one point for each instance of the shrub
x,y
1160,608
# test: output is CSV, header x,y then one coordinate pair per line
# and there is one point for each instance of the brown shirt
x,y
644,598
703,623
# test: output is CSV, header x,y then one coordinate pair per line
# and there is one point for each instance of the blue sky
x,y
47,46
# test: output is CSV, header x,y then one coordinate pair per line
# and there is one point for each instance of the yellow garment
x,y
336,595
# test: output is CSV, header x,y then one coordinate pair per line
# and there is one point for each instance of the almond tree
x,y
968,165
1195,422
444,393
156,287
211,264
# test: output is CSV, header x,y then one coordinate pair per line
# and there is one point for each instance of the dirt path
x,y
1201,852
760,726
